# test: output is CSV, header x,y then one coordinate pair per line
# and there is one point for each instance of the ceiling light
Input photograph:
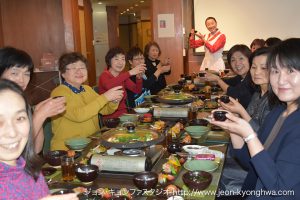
x,y
99,2
142,1
136,5
127,9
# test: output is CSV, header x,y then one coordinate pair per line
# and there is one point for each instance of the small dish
x,y
141,110
77,143
133,152
201,165
194,149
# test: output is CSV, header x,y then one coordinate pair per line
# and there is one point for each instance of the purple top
x,y
15,183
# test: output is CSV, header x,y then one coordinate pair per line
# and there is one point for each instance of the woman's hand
x,y
211,77
140,69
234,125
114,94
233,106
50,107
72,196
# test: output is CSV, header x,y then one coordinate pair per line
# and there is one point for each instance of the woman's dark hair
x,y
259,52
287,55
272,41
112,53
259,42
134,51
69,58
210,18
148,46
12,57
33,162
238,47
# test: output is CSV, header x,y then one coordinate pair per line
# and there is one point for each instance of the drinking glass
x,y
67,168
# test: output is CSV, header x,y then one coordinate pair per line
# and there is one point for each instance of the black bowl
x,y
174,147
183,121
53,157
197,180
47,171
145,180
225,99
201,74
177,88
86,173
111,122
198,122
220,115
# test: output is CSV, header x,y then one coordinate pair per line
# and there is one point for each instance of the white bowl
x,y
141,110
194,149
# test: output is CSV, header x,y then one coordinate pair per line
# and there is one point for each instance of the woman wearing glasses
x,y
82,103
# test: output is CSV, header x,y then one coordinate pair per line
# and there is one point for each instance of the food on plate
x,y
125,192
139,135
172,189
147,117
71,153
159,125
198,104
104,193
175,130
163,178
187,139
80,190
174,160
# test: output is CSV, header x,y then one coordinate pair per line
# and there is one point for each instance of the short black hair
x,y
112,53
12,57
69,58
272,41
238,47
33,162
210,18
134,51
287,55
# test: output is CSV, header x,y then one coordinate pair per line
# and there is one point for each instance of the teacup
x,y
220,115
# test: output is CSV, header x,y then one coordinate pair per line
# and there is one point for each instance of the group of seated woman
x,y
264,127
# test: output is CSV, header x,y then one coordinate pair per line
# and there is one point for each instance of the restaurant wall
x,y
34,26
172,47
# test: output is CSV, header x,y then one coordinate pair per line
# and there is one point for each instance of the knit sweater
x,y
16,184
108,81
81,116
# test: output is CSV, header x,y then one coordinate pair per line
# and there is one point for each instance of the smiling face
x,y
117,64
14,126
19,75
285,83
259,71
153,53
75,74
211,25
239,63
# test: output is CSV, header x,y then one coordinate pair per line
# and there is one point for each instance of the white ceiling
x,y
134,6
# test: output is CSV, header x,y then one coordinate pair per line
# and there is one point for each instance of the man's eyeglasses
x,y
139,58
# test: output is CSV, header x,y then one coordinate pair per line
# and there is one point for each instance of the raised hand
x,y
233,106
140,69
235,125
114,94
51,107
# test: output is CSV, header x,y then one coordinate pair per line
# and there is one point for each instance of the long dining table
x,y
216,140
